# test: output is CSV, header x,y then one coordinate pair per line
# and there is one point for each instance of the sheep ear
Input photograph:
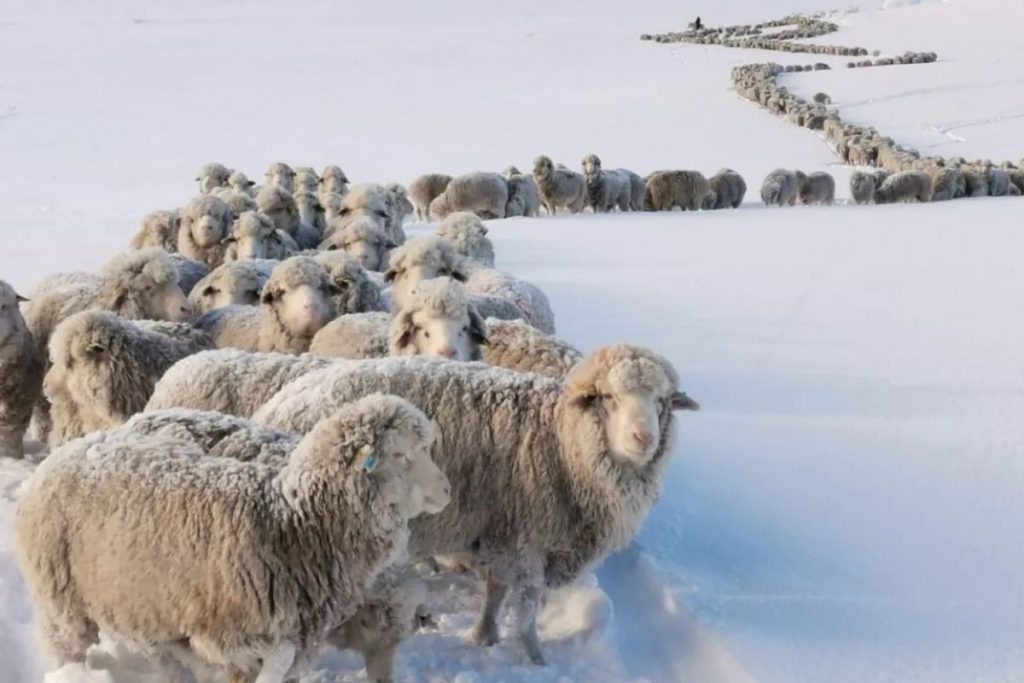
x,y
581,400
19,298
681,401
95,349
390,275
119,301
404,323
477,329
388,244
458,275
269,296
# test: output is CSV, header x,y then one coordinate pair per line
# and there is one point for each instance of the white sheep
x,y
780,188
189,272
559,188
311,219
515,345
666,190
552,475
21,374
333,181
212,176
862,187
238,202
103,369
638,188
306,180
400,207
945,182
356,292
205,225
605,190
485,194
285,555
240,183
905,186
372,201
816,188
158,229
253,236
281,175
363,239
727,190
425,189
295,303
468,235
234,283
279,206
523,196
999,183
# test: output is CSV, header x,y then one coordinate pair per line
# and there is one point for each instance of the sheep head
x,y
207,221
356,293
438,321
10,315
543,167
279,205
143,285
281,175
237,282
423,258
299,293
362,239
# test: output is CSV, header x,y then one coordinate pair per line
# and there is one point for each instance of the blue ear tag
x,y
369,463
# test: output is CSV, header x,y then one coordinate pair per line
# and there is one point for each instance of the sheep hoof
x,y
485,635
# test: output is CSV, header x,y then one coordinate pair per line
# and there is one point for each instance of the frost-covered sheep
x,y
862,187
606,190
361,238
727,190
333,181
295,303
212,176
905,186
253,236
285,554
333,204
240,183
356,292
531,301
999,183
637,189
975,182
234,283
468,234
515,345
485,194
312,221
306,180
552,475
666,190
421,259
159,229
103,368
435,320
281,175
425,189
372,201
399,204
205,225
559,188
21,374
822,98
229,380
523,196
189,272
238,202
816,188
945,182
279,205
780,188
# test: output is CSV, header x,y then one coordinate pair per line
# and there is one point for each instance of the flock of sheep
x,y
273,412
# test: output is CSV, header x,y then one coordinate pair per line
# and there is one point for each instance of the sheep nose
x,y
644,438
447,353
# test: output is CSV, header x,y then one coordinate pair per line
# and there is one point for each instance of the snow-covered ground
x,y
846,507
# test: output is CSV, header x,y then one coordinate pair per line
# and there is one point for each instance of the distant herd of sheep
x,y
272,412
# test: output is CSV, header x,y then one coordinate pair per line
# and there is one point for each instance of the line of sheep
x,y
251,463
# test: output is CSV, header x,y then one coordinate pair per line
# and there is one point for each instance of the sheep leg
x,y
12,442
485,633
173,670
527,607
277,663
380,662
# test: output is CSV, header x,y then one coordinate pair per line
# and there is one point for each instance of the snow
x,y
846,505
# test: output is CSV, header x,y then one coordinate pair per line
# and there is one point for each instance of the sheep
x,y
552,476
279,205
485,194
295,303
666,190
515,345
103,369
238,202
780,188
637,189
523,196
281,175
212,176
944,183
333,181
356,292
975,182
436,320
727,190
421,259
822,98
399,204
1017,178
229,380
605,190
311,220
205,224
362,239
333,203
306,180
425,189
291,552
905,186
862,187
240,183
21,374
375,202
159,229
559,188
530,300
816,188
999,183
468,235
233,283
189,272
253,236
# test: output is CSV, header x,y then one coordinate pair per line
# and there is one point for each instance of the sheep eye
x,y
381,214
342,285
444,271
333,247
211,291
345,211
426,335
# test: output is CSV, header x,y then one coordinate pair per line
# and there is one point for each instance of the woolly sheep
x,y
558,187
727,190
333,204
295,303
311,219
333,181
468,235
523,196
944,183
159,229
240,183
638,188
822,98
305,541
356,292
552,476
189,272
816,188
975,182
362,239
306,180
905,186
281,175
372,201
238,202
229,380
212,176
605,190
531,301
205,224
400,205
999,183
485,194
515,345
665,190
279,205
780,188
862,187
234,283
425,189
253,236
103,368
21,374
